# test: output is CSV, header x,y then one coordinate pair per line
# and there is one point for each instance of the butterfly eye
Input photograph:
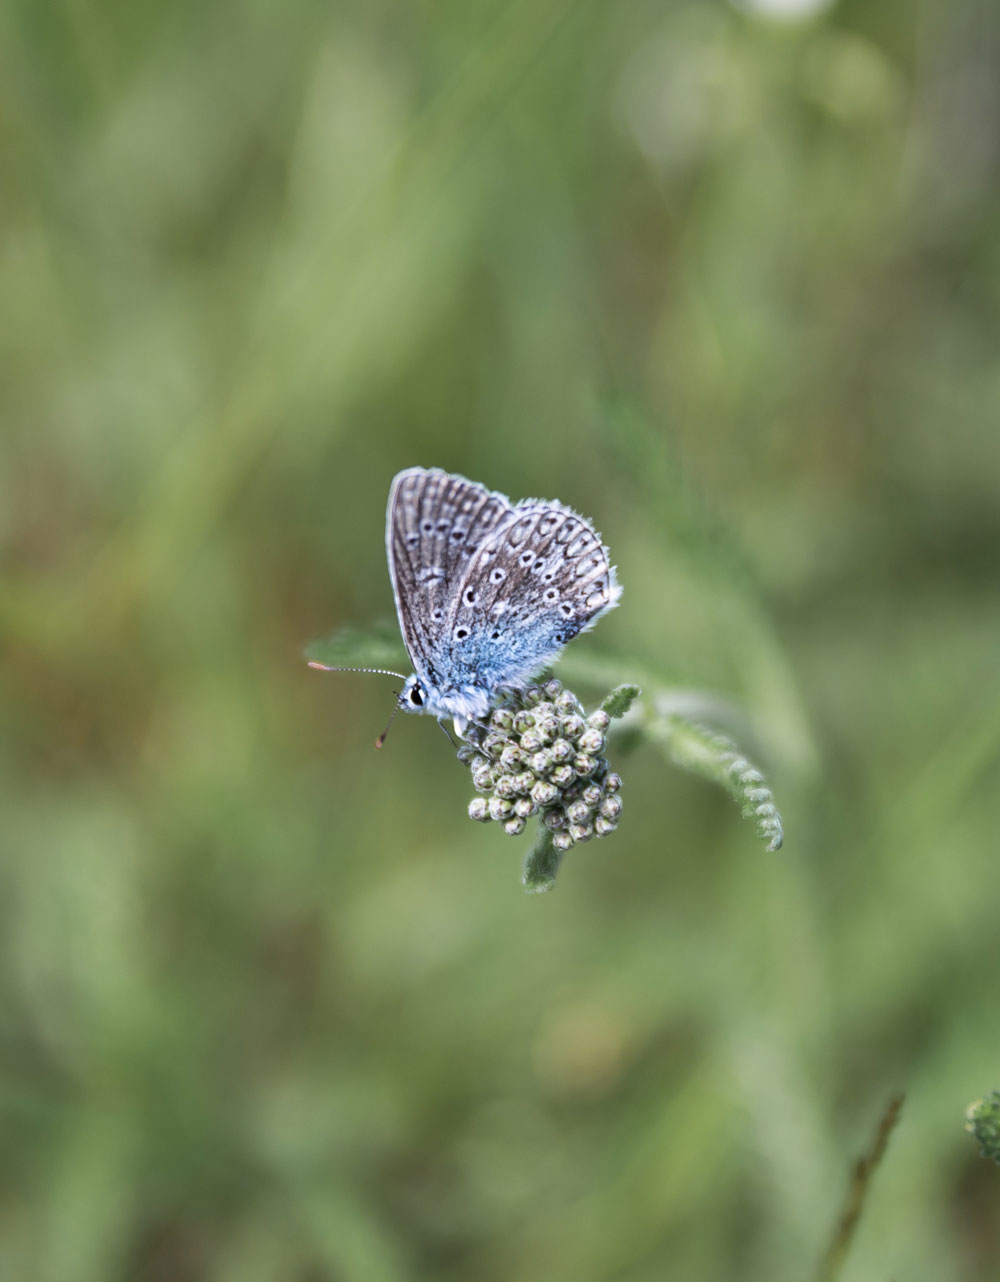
x,y
416,697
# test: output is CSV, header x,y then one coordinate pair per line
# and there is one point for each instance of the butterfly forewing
x,y
435,526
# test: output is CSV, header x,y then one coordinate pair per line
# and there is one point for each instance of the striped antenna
x,y
382,672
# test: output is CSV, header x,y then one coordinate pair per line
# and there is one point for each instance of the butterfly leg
x,y
447,733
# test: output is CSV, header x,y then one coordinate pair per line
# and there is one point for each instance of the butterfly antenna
x,y
382,672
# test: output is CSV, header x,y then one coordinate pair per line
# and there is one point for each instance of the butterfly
x,y
487,592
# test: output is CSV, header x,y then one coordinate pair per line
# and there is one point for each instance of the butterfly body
x,y
487,592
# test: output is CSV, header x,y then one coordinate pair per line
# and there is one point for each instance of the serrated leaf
x,y
715,757
618,702
369,646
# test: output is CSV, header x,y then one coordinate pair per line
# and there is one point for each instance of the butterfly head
x,y
458,704
413,697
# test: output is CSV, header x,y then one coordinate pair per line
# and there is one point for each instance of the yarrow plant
x,y
982,1118
538,754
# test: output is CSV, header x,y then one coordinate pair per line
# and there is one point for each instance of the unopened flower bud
x,y
611,807
502,719
524,808
544,794
591,742
531,741
483,778
584,765
511,758
541,763
524,720
562,750
514,827
567,701
573,726
599,720
578,813
592,794
562,775
562,841
603,827
505,788
612,783
581,832
500,808
547,728
479,810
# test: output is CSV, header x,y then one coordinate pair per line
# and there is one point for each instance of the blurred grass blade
x,y
860,1186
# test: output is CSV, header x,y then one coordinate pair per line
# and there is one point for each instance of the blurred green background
x,y
272,1007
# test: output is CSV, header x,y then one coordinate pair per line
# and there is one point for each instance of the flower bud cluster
x,y
982,1118
541,754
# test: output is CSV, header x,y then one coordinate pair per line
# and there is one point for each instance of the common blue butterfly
x,y
487,592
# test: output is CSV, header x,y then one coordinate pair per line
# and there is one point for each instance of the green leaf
x,y
618,702
715,757
541,865
371,646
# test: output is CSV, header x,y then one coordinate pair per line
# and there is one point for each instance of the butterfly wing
x,y
541,577
436,525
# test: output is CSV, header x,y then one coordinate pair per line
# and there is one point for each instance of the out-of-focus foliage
x,y
725,280
983,1121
